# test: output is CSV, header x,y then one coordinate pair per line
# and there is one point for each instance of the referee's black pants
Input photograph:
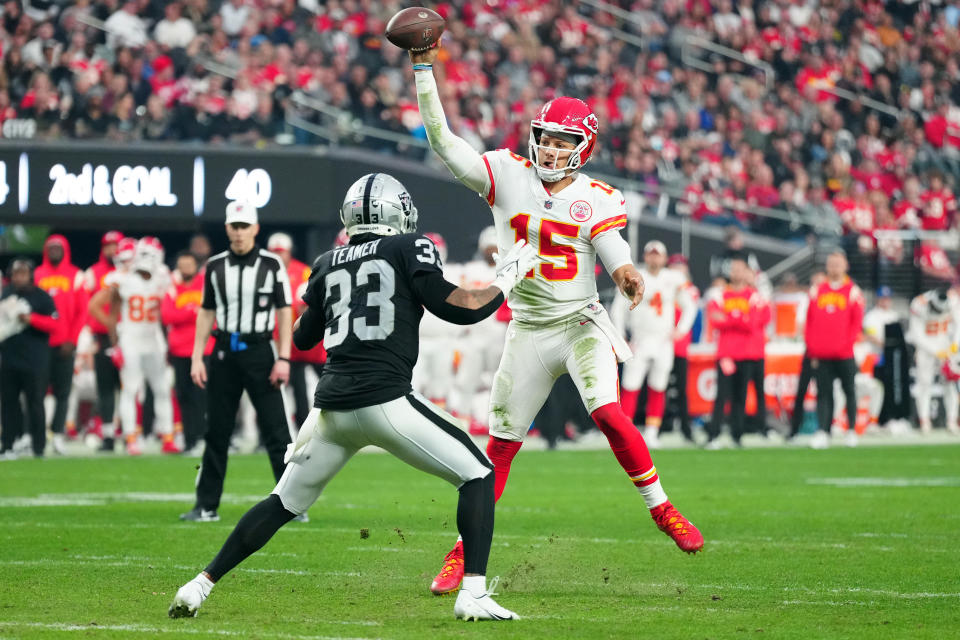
x,y
827,372
193,401
229,374
806,374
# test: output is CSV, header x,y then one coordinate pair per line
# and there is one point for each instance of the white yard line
x,y
177,628
847,483
104,498
163,564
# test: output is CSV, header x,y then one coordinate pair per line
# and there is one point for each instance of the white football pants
x,y
411,428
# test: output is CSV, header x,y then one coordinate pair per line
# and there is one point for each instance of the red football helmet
x,y
440,243
567,116
148,255
126,248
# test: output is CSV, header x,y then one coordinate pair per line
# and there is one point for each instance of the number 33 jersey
x,y
139,326
562,227
364,293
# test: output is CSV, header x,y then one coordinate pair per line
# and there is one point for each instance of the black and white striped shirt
x,y
245,291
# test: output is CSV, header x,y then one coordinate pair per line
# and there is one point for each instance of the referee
x,y
247,292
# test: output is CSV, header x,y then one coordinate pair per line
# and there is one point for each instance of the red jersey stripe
x,y
493,187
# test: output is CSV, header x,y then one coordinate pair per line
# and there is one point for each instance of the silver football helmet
x,y
378,203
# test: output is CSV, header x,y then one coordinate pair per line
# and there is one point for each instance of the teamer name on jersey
x,y
353,252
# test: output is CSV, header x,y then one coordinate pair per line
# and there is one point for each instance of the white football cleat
x,y
820,440
188,599
851,439
651,435
467,607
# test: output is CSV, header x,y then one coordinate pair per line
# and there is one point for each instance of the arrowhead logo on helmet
x,y
566,116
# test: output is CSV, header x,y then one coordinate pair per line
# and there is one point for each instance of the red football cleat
x,y
449,578
672,523
171,447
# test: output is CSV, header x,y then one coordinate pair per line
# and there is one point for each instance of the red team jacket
x,y
739,317
94,277
64,283
178,312
299,274
834,318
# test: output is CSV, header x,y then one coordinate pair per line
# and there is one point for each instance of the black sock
x,y
252,532
475,522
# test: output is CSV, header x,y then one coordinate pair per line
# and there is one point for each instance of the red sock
x,y
626,443
656,401
628,400
501,453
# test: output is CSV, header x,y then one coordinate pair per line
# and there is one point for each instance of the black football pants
x,y
108,382
732,389
32,383
298,384
61,380
806,374
192,400
827,372
229,374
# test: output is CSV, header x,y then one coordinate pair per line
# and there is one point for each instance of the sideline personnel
x,y
247,292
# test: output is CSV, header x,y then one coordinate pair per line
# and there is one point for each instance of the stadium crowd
x,y
719,137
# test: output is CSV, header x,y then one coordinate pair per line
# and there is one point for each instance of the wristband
x,y
281,358
422,66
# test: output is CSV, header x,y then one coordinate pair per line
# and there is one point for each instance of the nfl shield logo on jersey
x,y
581,211
548,204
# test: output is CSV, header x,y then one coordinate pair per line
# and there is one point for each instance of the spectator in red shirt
x,y
64,283
834,318
940,206
178,312
737,313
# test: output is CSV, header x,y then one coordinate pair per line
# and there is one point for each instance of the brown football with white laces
x,y
415,28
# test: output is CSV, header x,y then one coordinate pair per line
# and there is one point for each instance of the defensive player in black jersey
x,y
365,301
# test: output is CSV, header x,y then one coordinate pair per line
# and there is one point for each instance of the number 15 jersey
x,y
364,293
562,227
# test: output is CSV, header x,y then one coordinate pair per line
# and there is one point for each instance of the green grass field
x,y
842,543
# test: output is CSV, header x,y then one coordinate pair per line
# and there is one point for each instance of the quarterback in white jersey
x,y
558,324
933,333
653,329
140,349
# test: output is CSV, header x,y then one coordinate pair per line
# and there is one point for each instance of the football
x,y
415,28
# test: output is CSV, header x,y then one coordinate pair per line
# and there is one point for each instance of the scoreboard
x,y
100,184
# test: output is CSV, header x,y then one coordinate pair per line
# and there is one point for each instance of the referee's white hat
x,y
239,211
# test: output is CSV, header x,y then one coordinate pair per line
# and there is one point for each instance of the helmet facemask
x,y
537,129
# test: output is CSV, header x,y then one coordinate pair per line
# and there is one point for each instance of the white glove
x,y
514,264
